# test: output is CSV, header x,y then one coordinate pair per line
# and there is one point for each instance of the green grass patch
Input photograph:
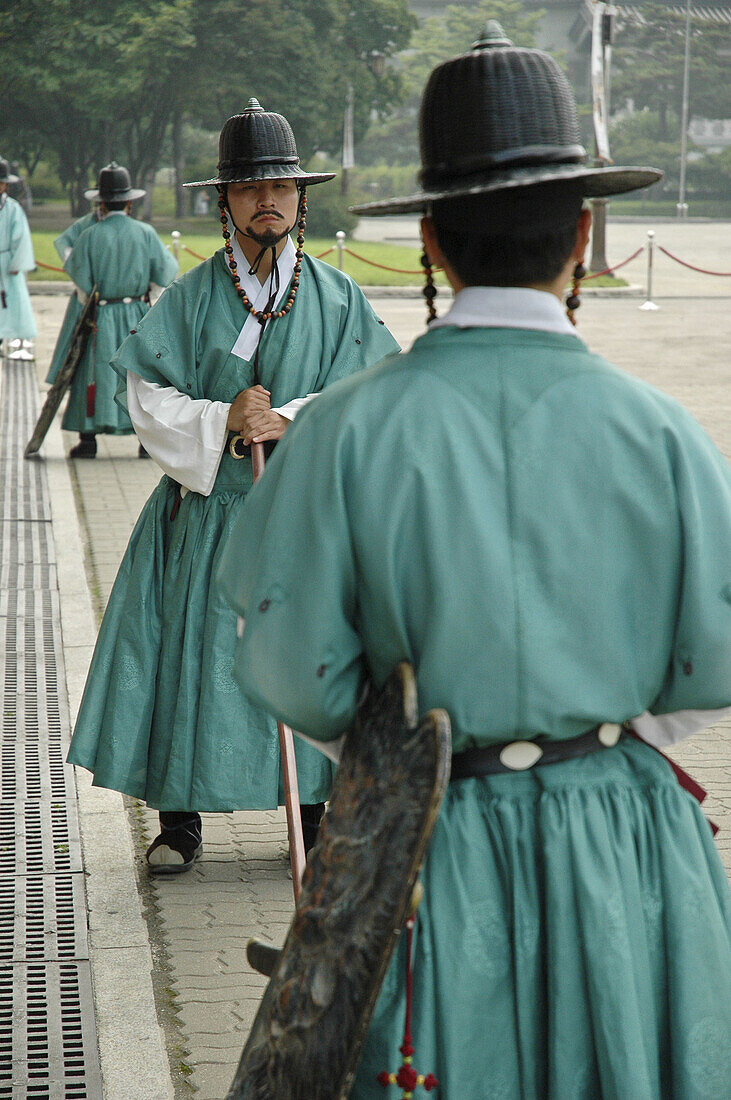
x,y
402,258
697,208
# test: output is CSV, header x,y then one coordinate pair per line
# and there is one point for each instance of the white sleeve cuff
x,y
290,410
185,436
662,730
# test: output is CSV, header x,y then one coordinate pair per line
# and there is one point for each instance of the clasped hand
x,y
252,417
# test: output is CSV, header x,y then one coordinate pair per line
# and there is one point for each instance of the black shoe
x,y
311,816
85,448
178,846
141,452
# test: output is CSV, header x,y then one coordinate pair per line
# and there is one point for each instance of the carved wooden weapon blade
x,y
306,1040
77,346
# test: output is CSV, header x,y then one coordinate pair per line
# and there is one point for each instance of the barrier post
x,y
340,238
648,303
176,242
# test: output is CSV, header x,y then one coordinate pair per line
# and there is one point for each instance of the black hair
x,y
511,237
119,204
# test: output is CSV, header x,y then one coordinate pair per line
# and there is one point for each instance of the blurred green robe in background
x,y
122,258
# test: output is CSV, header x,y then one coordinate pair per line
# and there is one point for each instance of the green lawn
x,y
203,245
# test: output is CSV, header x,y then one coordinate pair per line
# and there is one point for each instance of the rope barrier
x,y
610,270
385,267
49,267
326,252
702,270
196,254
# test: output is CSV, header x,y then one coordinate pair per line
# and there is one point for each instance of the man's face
x,y
266,210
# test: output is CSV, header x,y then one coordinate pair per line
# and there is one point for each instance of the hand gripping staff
x,y
286,751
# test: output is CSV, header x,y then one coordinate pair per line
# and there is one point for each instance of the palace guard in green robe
x,y
16,258
122,258
547,541
229,354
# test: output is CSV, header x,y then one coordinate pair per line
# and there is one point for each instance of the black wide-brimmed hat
x,y
259,145
6,176
114,185
502,117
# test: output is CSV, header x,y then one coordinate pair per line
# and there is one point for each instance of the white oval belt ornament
x,y
519,755
609,734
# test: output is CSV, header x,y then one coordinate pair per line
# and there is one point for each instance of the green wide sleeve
x,y
163,265
699,675
78,264
299,656
70,236
21,244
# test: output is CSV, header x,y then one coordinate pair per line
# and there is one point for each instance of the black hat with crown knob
x,y
502,117
114,184
259,145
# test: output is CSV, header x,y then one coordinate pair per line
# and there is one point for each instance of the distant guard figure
x,y
229,354
547,540
16,258
122,258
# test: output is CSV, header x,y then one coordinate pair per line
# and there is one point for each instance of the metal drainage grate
x,y
47,1038
39,838
26,541
23,491
47,1023
42,917
30,652
34,771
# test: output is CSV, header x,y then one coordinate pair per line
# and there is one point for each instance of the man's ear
x,y
431,244
583,232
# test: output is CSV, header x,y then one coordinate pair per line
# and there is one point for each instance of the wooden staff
x,y
286,752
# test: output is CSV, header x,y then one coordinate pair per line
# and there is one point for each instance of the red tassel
x,y
90,399
407,1078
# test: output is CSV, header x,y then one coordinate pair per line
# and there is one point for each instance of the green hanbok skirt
x,y
573,942
162,718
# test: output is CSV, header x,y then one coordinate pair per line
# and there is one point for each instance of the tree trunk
x,y
149,186
178,162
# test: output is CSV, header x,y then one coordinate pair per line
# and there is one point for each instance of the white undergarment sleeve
x,y
662,730
291,409
185,436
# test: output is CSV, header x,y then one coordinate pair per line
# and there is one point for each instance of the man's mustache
x,y
268,214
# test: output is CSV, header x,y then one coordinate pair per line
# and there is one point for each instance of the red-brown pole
x,y
286,752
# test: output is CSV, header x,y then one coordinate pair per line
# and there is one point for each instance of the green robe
x,y
122,257
548,541
161,718
16,257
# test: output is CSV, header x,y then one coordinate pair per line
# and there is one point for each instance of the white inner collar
x,y
258,295
507,307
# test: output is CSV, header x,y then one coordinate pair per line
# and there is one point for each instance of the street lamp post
x,y
601,54
682,206
377,65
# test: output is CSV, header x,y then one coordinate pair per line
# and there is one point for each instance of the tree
x,y
647,64
112,78
438,38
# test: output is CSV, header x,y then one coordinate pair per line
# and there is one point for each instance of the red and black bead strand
x,y
299,253
430,290
574,301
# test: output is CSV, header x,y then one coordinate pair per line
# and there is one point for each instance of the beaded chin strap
x,y
260,315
